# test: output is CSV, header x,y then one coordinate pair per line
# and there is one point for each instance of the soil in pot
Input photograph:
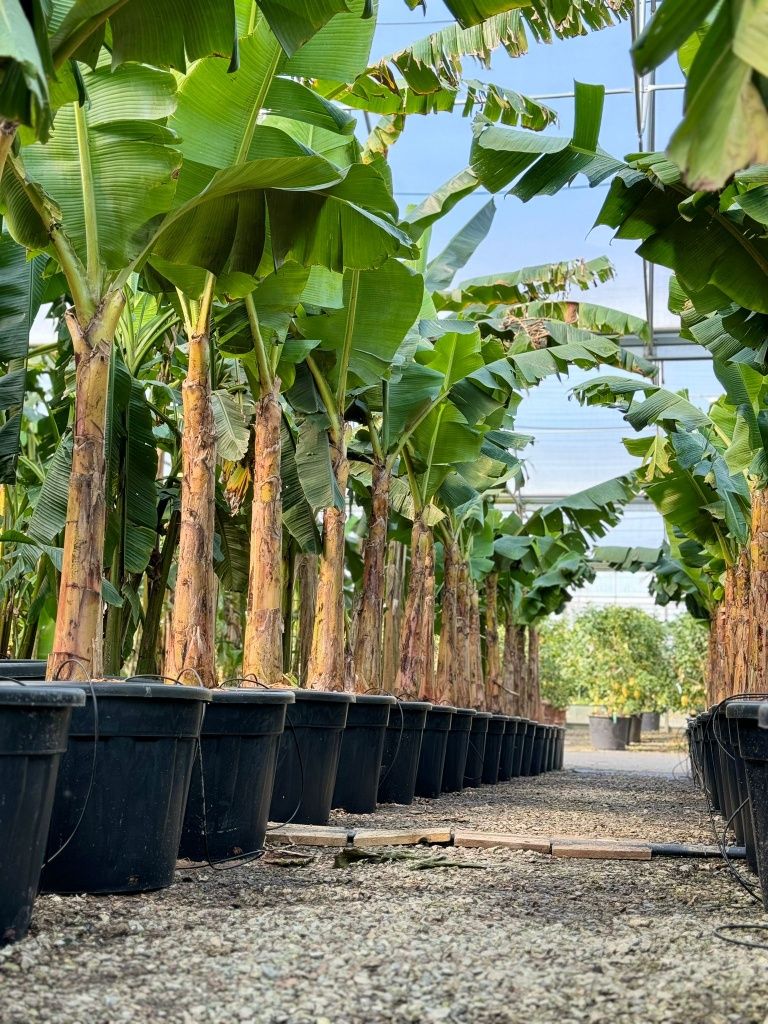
x,y
402,750
507,759
456,750
608,732
238,746
494,741
473,773
650,721
362,746
34,726
309,757
122,788
434,744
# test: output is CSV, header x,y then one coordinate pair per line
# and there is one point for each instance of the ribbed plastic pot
x,y
34,725
362,745
434,744
473,773
494,741
753,747
456,750
539,742
549,750
527,759
308,758
650,721
635,728
27,670
402,749
507,759
726,777
710,760
743,795
608,732
238,744
122,788
560,748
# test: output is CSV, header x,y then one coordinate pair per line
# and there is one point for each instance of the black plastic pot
x,y
539,743
560,756
27,670
711,761
753,748
635,728
362,745
507,759
608,732
434,743
494,742
549,749
473,773
122,788
402,749
309,757
34,724
456,750
527,759
238,742
650,721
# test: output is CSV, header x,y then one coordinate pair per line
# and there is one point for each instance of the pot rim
x,y
40,695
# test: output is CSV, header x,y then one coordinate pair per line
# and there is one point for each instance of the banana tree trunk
x,y
326,660
263,650
192,654
510,674
306,580
446,684
758,594
479,698
367,652
492,653
533,674
740,624
463,661
394,587
78,637
415,674
158,571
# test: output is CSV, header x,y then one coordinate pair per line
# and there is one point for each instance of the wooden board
x,y
310,835
486,840
365,837
601,849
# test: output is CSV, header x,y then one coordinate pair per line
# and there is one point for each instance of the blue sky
x,y
550,228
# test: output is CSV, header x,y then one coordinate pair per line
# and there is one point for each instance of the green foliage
x,y
615,658
688,641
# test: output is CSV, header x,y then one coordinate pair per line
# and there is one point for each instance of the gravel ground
x,y
517,937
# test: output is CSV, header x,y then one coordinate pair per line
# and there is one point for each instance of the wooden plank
x,y
487,840
310,835
601,849
366,837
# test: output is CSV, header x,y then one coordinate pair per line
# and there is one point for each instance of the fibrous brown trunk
x,y
368,627
758,594
511,665
477,685
78,640
306,581
464,692
492,654
740,624
415,673
534,694
192,653
394,586
263,649
446,682
326,661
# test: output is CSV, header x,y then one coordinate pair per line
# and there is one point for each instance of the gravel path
x,y
522,938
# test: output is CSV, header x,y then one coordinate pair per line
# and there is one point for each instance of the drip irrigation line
x,y
742,927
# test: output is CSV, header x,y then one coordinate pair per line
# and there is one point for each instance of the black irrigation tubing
x,y
392,763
